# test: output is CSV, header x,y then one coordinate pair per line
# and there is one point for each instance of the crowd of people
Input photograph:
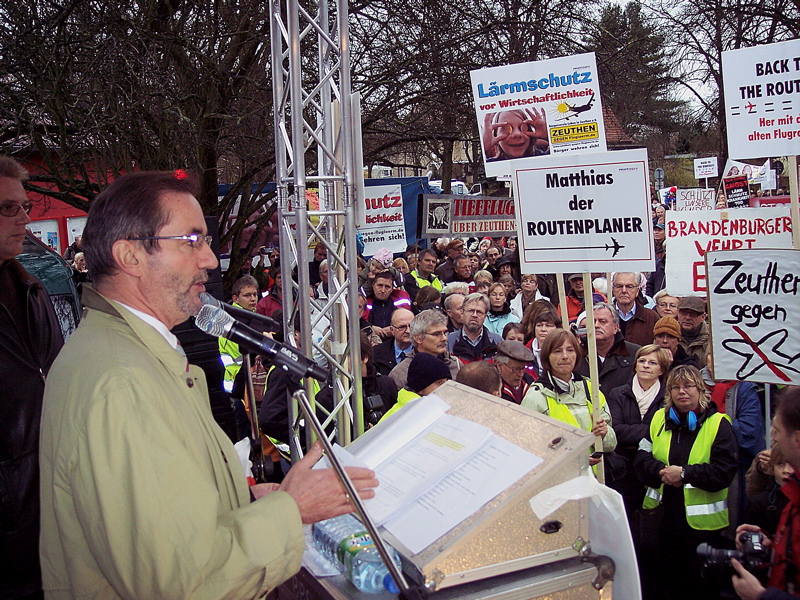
x,y
676,442
143,496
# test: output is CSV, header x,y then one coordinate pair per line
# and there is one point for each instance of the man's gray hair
x,y
448,302
477,297
456,287
11,169
639,277
424,321
608,307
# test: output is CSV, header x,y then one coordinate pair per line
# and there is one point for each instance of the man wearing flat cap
x,y
694,329
512,361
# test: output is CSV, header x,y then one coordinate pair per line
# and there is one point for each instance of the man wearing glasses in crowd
x,y
636,322
30,339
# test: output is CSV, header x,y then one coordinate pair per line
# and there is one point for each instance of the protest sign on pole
x,y
584,213
737,191
449,214
695,199
705,167
762,99
754,307
383,225
690,234
538,108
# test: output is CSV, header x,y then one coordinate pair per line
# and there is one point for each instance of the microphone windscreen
x,y
213,320
207,298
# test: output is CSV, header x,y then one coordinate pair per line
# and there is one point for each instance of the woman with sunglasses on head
x,y
687,461
561,393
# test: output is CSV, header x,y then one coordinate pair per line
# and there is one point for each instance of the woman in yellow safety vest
x,y
687,462
563,394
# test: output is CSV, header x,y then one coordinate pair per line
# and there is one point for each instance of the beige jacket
x,y
143,495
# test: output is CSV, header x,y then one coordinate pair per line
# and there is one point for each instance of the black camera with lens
x,y
374,409
754,555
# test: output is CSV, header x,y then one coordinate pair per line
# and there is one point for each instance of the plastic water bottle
x,y
345,542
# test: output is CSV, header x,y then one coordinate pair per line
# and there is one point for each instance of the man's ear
x,y
128,256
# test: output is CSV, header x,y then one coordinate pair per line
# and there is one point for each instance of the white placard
x,y
696,199
690,234
384,226
705,167
538,108
579,213
754,305
762,99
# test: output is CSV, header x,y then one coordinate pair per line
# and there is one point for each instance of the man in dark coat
x,y
392,351
30,338
615,355
636,320
473,341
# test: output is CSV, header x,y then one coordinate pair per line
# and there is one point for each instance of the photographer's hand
x,y
745,584
755,529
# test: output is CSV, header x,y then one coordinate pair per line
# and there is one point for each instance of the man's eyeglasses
x,y
11,209
437,333
624,286
400,327
195,240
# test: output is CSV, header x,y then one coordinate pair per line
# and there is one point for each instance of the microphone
x,y
253,319
215,321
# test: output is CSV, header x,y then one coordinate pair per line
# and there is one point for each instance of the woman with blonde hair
x,y
687,460
632,407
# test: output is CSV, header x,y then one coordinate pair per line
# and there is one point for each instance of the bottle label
x,y
353,544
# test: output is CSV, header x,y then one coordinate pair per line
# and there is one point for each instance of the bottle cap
x,y
390,585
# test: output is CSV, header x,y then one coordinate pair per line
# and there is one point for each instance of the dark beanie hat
x,y
424,370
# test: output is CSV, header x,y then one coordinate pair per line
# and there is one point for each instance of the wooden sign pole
x,y
594,374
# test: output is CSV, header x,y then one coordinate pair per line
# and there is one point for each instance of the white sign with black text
x,y
579,213
754,306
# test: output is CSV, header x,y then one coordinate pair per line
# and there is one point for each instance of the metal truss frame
x,y
316,146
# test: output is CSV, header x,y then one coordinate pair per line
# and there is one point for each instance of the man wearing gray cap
x,y
694,329
512,361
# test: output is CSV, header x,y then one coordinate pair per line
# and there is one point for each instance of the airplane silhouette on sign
x,y
776,361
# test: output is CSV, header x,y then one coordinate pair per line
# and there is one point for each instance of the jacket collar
x,y
172,359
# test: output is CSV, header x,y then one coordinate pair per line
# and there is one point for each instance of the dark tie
x,y
402,357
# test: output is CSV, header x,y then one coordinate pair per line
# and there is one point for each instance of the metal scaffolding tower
x,y
317,146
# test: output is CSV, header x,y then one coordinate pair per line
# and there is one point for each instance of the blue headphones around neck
x,y
691,418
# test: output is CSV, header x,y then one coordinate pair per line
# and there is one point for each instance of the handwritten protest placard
x,y
754,306
690,234
695,199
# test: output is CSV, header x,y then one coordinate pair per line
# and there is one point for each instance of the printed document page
x,y
461,494
420,464
398,430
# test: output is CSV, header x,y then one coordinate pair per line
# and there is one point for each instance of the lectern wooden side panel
x,y
505,535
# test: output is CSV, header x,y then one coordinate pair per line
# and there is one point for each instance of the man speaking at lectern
x,y
143,495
